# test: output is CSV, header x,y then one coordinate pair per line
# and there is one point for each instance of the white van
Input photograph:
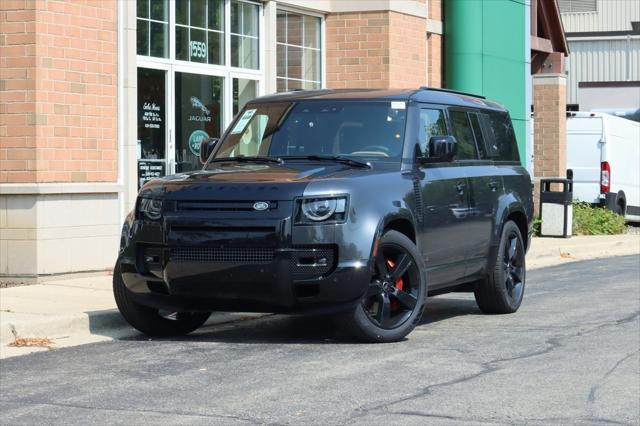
x,y
603,151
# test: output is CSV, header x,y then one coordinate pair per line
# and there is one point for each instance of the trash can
x,y
556,210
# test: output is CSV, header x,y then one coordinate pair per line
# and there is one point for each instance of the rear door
x,y
584,154
484,187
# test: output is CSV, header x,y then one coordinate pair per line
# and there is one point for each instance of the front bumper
x,y
196,265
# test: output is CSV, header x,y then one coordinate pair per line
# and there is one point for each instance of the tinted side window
x,y
477,131
500,139
464,135
432,123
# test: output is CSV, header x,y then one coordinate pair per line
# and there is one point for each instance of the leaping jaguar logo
x,y
197,103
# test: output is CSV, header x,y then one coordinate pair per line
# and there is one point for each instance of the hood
x,y
249,181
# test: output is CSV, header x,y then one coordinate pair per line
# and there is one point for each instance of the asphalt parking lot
x,y
569,356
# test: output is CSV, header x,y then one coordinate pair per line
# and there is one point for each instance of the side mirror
x,y
442,149
206,148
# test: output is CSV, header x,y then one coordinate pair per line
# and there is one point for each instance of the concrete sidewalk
x,y
82,310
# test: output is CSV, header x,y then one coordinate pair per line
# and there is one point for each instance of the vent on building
x,y
577,6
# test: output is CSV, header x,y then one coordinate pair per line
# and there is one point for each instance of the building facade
x,y
97,97
604,66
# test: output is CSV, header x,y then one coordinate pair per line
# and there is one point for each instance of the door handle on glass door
x,y
493,185
460,187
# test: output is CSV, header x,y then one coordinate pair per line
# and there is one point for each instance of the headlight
x,y
150,208
322,209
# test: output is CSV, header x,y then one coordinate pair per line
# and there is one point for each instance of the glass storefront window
x,y
209,71
244,35
200,31
152,126
298,51
198,115
243,91
153,28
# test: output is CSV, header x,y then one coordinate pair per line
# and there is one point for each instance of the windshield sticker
x,y
244,120
398,105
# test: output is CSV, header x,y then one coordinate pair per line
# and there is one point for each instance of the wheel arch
x,y
401,221
622,198
520,220
402,225
511,209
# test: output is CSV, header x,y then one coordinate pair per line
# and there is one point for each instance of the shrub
x,y
590,220
537,223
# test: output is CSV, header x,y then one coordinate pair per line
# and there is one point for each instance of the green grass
x,y
589,220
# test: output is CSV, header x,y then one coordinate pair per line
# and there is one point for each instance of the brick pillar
x,y
375,50
549,129
434,44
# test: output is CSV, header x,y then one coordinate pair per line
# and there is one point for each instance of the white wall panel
x,y
611,15
601,60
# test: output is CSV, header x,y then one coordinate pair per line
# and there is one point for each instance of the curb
x,y
108,323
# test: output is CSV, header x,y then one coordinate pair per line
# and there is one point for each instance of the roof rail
x,y
438,89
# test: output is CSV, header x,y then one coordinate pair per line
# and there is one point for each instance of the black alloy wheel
x,y
152,321
395,298
392,297
503,289
513,262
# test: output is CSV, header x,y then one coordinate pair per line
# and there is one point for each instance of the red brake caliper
x,y
398,284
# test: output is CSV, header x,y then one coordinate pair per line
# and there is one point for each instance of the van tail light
x,y
605,177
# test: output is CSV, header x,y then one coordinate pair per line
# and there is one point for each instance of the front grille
x,y
221,206
227,255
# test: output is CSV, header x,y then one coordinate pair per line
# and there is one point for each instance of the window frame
x,y
323,39
259,73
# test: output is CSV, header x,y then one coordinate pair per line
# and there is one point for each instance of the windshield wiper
x,y
245,159
334,158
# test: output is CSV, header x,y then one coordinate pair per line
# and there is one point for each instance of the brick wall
x,y
435,10
408,47
375,50
550,125
58,73
357,50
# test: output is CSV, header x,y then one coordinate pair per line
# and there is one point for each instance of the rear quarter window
x,y
499,137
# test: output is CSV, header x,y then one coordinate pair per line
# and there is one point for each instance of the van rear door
x,y
585,143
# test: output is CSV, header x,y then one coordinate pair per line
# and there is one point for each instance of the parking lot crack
x,y
592,393
550,344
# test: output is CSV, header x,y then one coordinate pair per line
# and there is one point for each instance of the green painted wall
x,y
487,53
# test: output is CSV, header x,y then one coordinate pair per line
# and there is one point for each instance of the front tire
x,y
150,321
397,293
502,291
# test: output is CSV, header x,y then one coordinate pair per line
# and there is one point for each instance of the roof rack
x,y
438,89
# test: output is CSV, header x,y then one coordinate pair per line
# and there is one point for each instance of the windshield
x,y
363,130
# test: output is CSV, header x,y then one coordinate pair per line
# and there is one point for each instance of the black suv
x,y
359,203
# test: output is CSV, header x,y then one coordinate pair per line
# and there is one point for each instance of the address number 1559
x,y
198,49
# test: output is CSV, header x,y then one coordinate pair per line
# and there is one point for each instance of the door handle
x,y
493,185
460,187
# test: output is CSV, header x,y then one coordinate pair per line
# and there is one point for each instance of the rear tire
x,y
149,320
502,291
393,305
